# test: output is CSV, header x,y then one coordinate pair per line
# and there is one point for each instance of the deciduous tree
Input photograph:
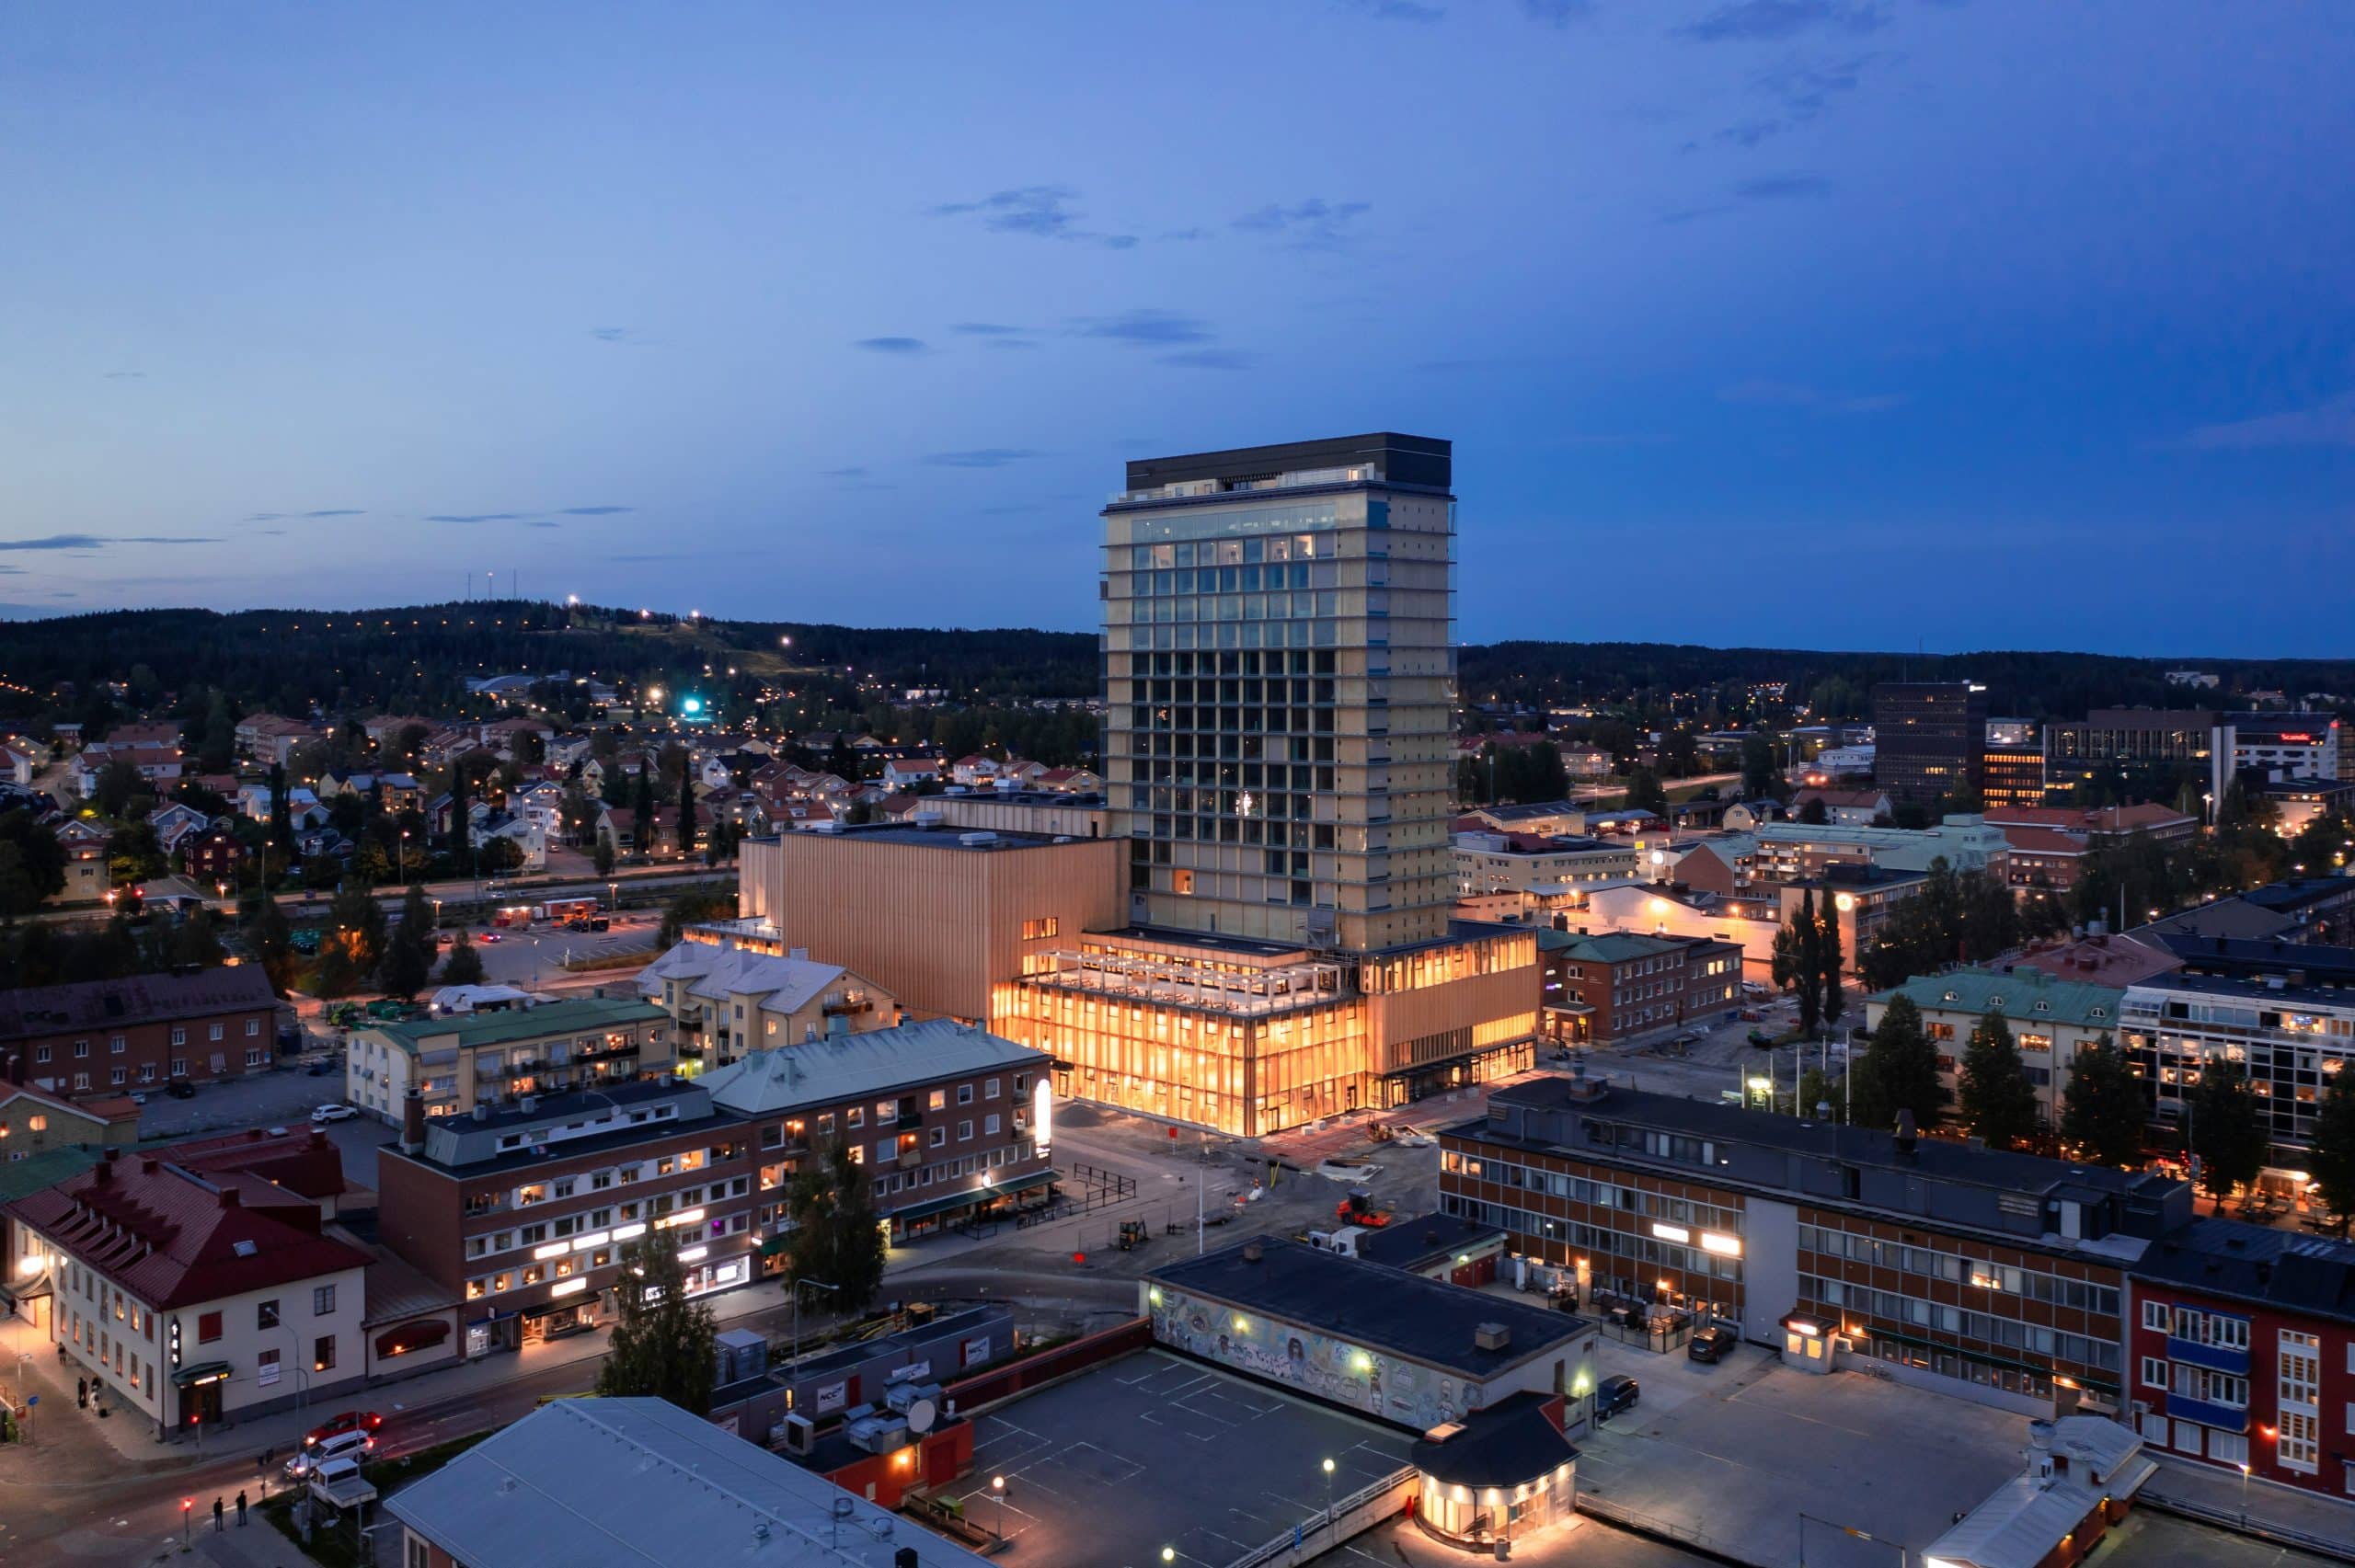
x,y
2228,1132
1899,1071
663,1346
1998,1102
2102,1112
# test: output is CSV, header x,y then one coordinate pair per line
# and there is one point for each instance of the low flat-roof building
x,y
1437,1246
2289,1038
1504,1473
1415,1352
1966,1270
499,1059
592,1481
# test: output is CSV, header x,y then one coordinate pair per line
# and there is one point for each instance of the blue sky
x,y
1834,323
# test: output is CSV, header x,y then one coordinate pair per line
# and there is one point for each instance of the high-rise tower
x,y
1280,686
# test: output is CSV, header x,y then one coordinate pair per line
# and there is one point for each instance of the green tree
x,y
1644,793
686,804
836,1236
642,809
1818,1090
118,782
1813,812
273,940
1899,1071
2228,1132
408,962
196,943
464,966
2333,1158
1998,1102
601,855
1758,776
2102,1111
281,816
32,864
1829,960
663,1344
356,924
1802,975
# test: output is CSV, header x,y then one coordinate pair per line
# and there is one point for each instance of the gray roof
x,y
1386,1308
1410,1244
715,973
641,1481
2283,1269
137,998
836,1068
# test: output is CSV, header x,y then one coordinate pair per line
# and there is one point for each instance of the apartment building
x,y
2050,1018
522,1211
1982,1273
2287,1034
102,1037
948,1119
1790,850
724,1002
193,1298
463,1060
2241,1346
1517,875
1618,985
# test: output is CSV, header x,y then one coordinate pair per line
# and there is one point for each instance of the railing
x,y
2240,1523
1319,1532
1642,1523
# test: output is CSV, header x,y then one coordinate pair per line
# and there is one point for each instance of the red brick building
x,y
2241,1352
1617,985
105,1036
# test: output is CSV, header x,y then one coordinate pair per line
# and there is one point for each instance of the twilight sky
x,y
1829,323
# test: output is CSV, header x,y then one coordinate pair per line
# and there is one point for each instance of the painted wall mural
x,y
1407,1394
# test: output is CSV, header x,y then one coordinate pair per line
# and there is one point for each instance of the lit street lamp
x,y
997,1484
1330,1523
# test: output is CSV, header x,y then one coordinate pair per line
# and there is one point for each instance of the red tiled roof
x,y
1848,797
139,999
2042,840
300,1159
173,1239
2106,960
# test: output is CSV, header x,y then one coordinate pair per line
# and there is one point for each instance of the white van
x,y
353,1444
343,1467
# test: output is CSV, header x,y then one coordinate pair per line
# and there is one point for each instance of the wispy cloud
x,y
97,541
980,457
1148,327
591,511
1209,360
1800,91
2330,423
890,344
1783,188
283,516
987,329
1557,13
1768,21
1043,211
853,473
542,523
1800,394
1393,10
1313,225
476,517
126,375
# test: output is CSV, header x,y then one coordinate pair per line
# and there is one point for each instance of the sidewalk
x,y
2270,1510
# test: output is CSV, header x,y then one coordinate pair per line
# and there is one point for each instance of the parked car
x,y
180,1088
1761,1039
351,1442
138,1098
365,1422
1614,1394
332,1112
1712,1343
492,936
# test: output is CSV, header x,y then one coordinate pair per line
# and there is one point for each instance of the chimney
x,y
1251,1251
412,1121
103,1172
232,1199
1491,1336
1905,1131
149,1164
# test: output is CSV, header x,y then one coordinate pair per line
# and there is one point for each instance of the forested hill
x,y
417,658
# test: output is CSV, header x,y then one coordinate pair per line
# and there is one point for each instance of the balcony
x,y
2223,1417
908,1121
2216,1358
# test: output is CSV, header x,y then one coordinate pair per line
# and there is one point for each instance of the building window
x,y
114,1047
81,1048
939,1135
2154,1371
989,1127
964,1093
938,1100
179,1035
1040,929
215,1032
265,1314
322,1303
253,1027
964,1132
208,1327
323,1352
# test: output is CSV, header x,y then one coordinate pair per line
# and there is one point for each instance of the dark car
x,y
180,1088
1711,1343
1614,1394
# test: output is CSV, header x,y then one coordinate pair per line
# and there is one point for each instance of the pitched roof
x,y
573,1014
137,998
848,1067
715,974
640,1482
173,1239
2024,996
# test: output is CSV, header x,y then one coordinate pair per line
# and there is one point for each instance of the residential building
x,y
463,1061
1517,875
641,1481
2051,1019
2135,753
33,1122
524,1210
1788,850
726,1002
2241,1342
938,918
1614,986
1968,1271
1844,808
88,870
1929,738
1396,1346
910,773
111,1037
2290,745
2083,1474
2097,955
949,1121
1048,812
192,1298
2049,844
21,761
2289,1026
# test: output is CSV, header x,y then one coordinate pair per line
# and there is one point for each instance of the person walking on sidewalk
x,y
241,1507
217,1526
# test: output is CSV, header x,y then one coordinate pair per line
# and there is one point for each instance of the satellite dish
x,y
920,1416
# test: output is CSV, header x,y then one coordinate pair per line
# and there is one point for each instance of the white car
x,y
333,1113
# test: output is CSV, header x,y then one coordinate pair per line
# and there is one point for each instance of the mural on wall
x,y
1405,1393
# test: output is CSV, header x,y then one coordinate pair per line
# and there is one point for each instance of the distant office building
x,y
1929,737
2135,753
2291,746
2010,767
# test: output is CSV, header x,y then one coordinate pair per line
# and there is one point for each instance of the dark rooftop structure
x,y
1508,1444
1421,460
2251,1263
2021,1197
135,999
1426,1238
1385,1309
563,1127
2274,989
2233,958
941,836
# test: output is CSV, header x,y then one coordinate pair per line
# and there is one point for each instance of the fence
x,y
2241,1523
1327,1527
977,1393
1099,1187
1699,1542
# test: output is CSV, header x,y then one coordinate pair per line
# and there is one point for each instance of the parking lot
x,y
272,1098
1232,1464
531,955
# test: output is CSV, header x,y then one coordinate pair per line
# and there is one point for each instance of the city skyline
x,y
343,311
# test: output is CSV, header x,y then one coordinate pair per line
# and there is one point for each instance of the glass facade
x,y
1280,683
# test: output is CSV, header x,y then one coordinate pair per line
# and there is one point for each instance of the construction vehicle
x,y
1133,1234
1360,1208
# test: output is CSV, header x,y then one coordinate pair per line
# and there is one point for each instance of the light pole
x,y
798,1283
997,1484
404,860
2244,1496
1330,1523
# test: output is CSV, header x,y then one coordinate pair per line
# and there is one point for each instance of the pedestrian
x,y
241,1507
82,1392
217,1526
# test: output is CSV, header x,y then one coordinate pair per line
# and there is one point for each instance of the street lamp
x,y
1169,1554
1330,1523
997,1484
2244,1495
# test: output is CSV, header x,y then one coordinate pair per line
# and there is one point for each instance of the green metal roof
x,y
566,1017
39,1173
2024,996
1607,946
